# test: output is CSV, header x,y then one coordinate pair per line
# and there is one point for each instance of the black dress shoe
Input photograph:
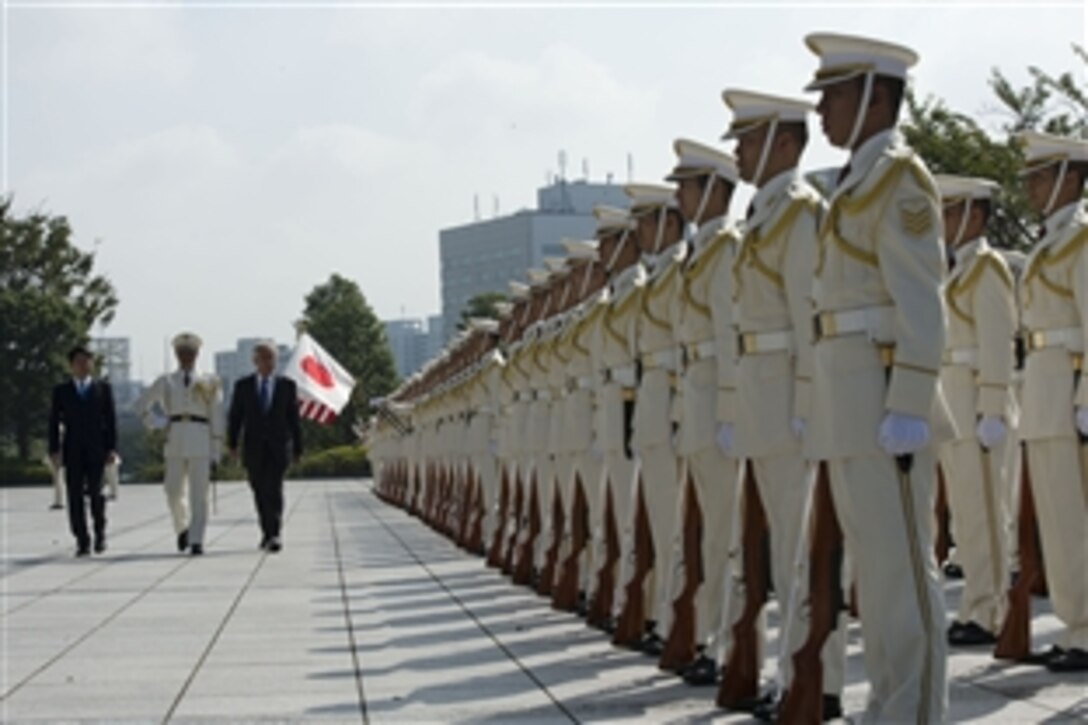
x,y
264,543
651,645
100,545
953,571
183,540
1043,658
196,549
970,634
56,507
703,672
275,545
83,550
1073,659
767,702
830,709
581,608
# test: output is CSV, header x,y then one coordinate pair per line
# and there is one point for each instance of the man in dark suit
x,y
264,414
83,407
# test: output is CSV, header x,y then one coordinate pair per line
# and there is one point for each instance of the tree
x,y
50,299
953,143
339,318
482,305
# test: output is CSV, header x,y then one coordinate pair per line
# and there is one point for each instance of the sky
x,y
223,158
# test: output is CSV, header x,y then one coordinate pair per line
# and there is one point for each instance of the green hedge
x,y
339,462
16,472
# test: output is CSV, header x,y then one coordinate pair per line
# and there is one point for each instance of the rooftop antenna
x,y
630,168
585,169
562,165
608,178
476,207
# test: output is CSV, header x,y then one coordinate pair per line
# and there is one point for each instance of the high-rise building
x,y
483,256
114,360
413,342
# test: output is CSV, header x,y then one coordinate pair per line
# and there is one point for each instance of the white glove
x,y
725,438
798,426
990,431
901,434
1082,420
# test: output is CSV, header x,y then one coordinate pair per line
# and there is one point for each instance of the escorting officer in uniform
x,y
975,378
879,329
706,178
773,312
191,410
1054,420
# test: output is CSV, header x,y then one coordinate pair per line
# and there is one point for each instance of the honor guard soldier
x,y
705,178
879,341
773,314
189,406
1054,416
976,378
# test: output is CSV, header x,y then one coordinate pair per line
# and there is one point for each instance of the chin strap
x,y
611,264
765,154
859,120
1057,188
662,215
963,223
706,199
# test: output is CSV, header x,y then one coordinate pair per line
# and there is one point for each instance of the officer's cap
x,y
697,159
646,198
843,57
611,219
187,341
1043,149
955,189
752,110
581,249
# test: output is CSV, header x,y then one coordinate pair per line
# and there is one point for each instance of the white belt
x,y
624,376
701,351
756,343
1071,338
962,356
877,322
664,359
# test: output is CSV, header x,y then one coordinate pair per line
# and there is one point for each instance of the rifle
x,y
1014,641
546,580
630,626
565,596
803,701
523,564
600,610
740,685
514,525
494,553
679,650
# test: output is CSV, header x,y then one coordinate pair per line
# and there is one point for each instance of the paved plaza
x,y
367,615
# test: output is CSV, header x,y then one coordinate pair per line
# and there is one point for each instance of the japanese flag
x,y
324,387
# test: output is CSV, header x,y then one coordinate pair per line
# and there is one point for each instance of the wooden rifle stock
x,y
740,683
514,528
600,609
679,650
523,563
803,701
1014,641
494,551
545,584
631,624
565,596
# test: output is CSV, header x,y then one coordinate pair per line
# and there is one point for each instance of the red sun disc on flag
x,y
316,371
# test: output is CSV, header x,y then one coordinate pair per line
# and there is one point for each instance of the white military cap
x,y
955,189
557,266
580,248
519,290
611,218
649,197
843,57
503,309
752,110
1043,149
187,341
697,159
538,277
484,324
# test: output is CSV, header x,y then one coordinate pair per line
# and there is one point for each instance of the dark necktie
x,y
186,379
266,399
843,173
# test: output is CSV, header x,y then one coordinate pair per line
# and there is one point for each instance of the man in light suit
x,y
879,340
264,417
188,405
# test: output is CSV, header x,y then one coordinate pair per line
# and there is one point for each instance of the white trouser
x,y
976,502
888,527
589,470
546,471
487,474
621,480
784,487
660,474
1060,491
191,515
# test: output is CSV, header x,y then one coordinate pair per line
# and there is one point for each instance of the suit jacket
x,y
265,434
90,424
